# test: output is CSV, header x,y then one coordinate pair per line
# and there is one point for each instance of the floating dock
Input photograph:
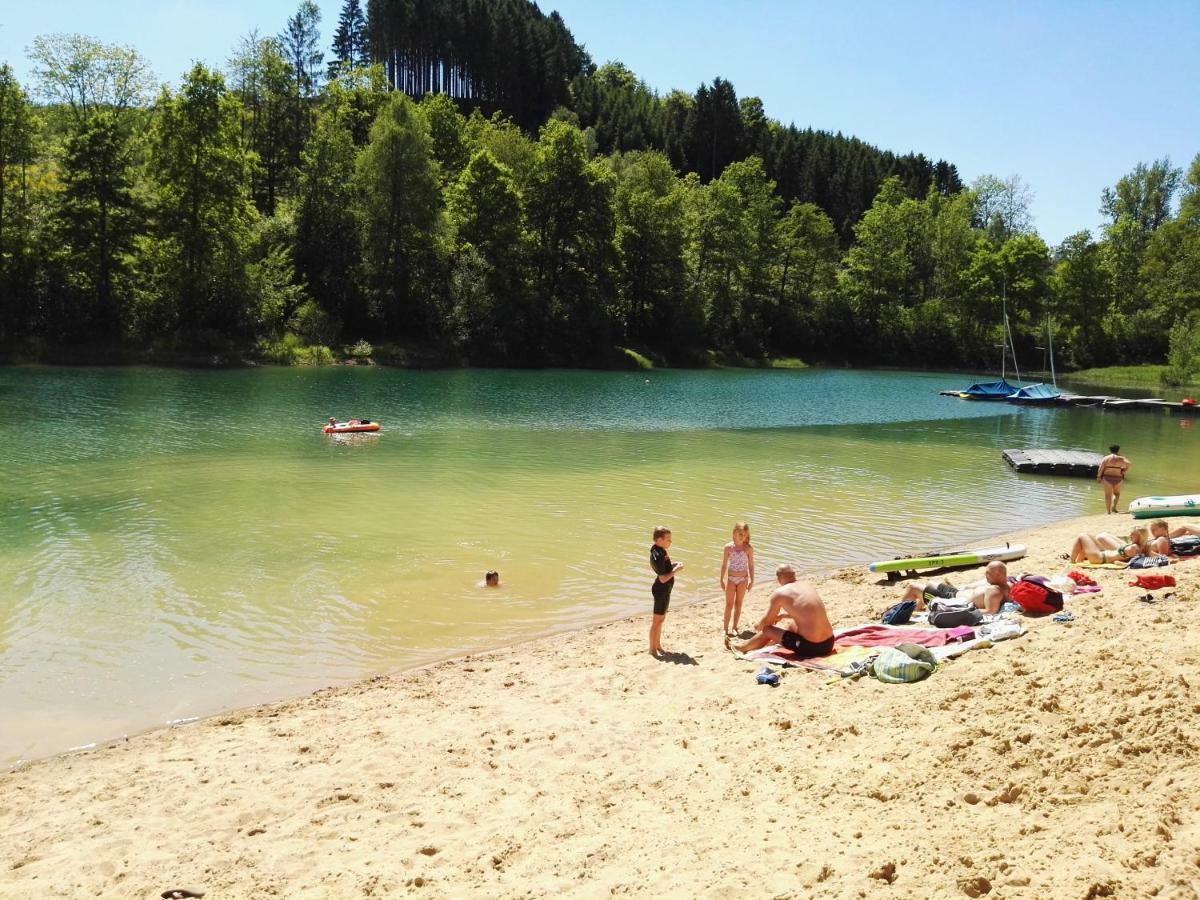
x,y
1054,462
1117,404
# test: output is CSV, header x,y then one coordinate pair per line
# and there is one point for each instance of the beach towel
x,y
1111,565
836,662
888,636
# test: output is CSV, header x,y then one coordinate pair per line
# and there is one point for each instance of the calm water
x,y
174,543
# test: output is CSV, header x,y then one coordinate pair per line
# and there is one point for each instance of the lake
x,y
174,543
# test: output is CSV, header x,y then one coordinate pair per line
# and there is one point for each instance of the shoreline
x,y
821,574
1062,763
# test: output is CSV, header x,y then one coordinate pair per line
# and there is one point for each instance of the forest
x,y
458,183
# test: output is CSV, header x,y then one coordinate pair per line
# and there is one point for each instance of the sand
x,y
1060,764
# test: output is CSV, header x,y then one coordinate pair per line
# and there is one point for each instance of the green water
x,y
173,543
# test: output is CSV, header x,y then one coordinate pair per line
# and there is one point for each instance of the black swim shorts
x,y
805,648
661,591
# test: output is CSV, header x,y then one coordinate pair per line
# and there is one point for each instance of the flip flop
x,y
766,676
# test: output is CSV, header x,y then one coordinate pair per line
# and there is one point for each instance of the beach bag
x,y
1033,595
952,613
900,613
903,664
1185,546
1148,562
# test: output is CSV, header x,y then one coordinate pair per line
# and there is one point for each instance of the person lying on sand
x,y
1104,548
1162,535
808,632
987,594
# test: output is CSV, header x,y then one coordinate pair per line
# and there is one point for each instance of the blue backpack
x,y
900,613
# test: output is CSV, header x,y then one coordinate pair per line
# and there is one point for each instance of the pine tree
x,y
351,46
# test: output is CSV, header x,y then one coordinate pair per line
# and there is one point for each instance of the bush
x,y
362,350
1183,357
290,350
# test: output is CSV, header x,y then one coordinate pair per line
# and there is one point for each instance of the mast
x,y
1008,331
1050,346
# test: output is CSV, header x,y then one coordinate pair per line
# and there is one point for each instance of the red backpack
x,y
1032,595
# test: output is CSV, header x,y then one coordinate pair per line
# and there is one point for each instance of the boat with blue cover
x,y
989,390
1035,394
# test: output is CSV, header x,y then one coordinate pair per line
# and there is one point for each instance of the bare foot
x,y
728,643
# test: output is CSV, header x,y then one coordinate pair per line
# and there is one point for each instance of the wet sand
x,y
1059,764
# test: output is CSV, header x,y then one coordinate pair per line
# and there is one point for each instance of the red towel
x,y
1080,578
1153,582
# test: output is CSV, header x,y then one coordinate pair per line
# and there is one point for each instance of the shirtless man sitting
x,y
809,633
987,595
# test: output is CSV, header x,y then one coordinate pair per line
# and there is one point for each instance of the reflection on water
x,y
174,543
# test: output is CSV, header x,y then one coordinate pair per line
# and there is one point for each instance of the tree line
x,y
290,209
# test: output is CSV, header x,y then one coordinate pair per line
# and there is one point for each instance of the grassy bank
x,y
1145,377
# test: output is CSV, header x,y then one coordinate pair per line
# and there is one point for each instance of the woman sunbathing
x,y
1104,548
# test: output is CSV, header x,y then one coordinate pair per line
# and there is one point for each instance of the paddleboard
x,y
950,560
1153,507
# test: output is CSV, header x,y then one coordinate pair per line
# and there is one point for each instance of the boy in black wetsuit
x,y
664,581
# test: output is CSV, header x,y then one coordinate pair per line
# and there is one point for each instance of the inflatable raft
x,y
950,560
1155,507
348,428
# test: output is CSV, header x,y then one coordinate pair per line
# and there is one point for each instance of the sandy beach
x,y
1060,764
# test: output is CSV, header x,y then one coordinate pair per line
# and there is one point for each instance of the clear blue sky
x,y
1068,95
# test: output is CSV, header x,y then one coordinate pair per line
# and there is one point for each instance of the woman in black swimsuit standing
x,y
1111,474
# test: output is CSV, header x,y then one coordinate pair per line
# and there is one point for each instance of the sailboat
x,y
1040,394
997,390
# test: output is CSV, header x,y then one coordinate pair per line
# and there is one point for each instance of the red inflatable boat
x,y
351,427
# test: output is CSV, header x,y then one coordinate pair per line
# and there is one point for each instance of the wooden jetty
x,y
1115,404
1054,462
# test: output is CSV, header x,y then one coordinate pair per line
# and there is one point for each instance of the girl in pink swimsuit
x,y
737,573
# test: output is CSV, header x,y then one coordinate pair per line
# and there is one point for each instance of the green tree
x,y
17,134
807,275
88,75
351,42
1183,358
204,215
1002,206
492,305
299,42
263,81
328,241
569,212
397,179
651,236
1136,207
1170,269
753,288
1081,288
890,264
448,131
98,221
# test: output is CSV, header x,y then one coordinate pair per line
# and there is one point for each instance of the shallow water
x,y
173,543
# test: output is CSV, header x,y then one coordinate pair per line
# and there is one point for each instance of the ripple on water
x,y
177,542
